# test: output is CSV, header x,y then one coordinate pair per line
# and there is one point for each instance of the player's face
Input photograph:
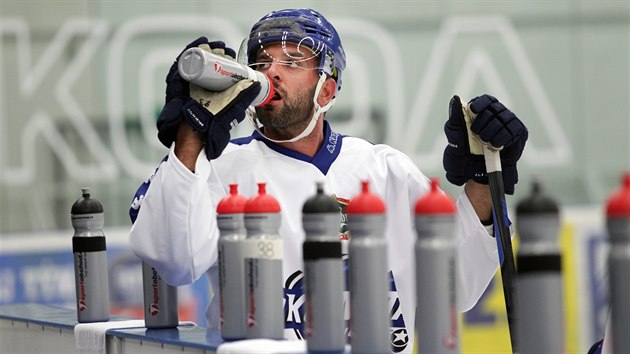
x,y
293,72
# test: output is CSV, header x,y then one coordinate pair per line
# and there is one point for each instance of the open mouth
x,y
276,96
275,99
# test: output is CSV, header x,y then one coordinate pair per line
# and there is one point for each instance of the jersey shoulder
x,y
236,147
354,145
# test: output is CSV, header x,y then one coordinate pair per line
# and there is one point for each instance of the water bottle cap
x,y
365,202
266,89
436,202
86,205
234,203
537,202
618,204
320,203
262,203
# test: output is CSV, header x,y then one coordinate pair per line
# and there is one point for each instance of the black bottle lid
x,y
320,202
537,202
86,205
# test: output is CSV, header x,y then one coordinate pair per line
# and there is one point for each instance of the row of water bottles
x,y
250,270
539,293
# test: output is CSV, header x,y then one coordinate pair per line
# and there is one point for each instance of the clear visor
x,y
298,55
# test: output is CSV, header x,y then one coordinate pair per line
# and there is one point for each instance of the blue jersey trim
x,y
323,159
597,348
134,209
245,140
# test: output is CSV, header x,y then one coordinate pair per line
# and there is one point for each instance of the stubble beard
x,y
289,119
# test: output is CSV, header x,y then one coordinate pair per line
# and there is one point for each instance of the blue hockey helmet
x,y
302,27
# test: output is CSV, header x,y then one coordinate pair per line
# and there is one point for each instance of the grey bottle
x,y
369,282
323,275
618,227
263,267
160,300
232,251
90,259
436,300
539,275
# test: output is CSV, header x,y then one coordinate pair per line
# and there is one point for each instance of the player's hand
x,y
211,114
176,87
495,125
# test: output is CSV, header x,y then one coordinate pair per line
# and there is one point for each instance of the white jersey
x,y
176,230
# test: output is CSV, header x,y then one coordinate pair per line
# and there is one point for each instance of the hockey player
x,y
292,148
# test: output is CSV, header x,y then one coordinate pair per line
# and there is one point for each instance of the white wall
x,y
82,81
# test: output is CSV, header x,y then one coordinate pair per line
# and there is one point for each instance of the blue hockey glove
x,y
212,114
495,125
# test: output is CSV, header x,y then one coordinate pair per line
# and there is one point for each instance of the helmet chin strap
x,y
311,125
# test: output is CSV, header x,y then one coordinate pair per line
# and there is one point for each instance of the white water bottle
x,y
216,73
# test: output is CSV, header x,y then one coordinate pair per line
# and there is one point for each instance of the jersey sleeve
x,y
476,250
175,227
477,255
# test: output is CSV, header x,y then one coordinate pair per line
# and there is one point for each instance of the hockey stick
x,y
499,215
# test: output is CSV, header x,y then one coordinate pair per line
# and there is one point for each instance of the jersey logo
x,y
294,309
293,303
332,142
398,332
344,231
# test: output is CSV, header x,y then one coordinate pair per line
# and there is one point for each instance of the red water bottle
x,y
618,226
263,267
369,282
436,319
232,288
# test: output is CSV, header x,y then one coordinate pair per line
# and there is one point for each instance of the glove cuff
x,y
168,121
510,178
460,167
196,115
